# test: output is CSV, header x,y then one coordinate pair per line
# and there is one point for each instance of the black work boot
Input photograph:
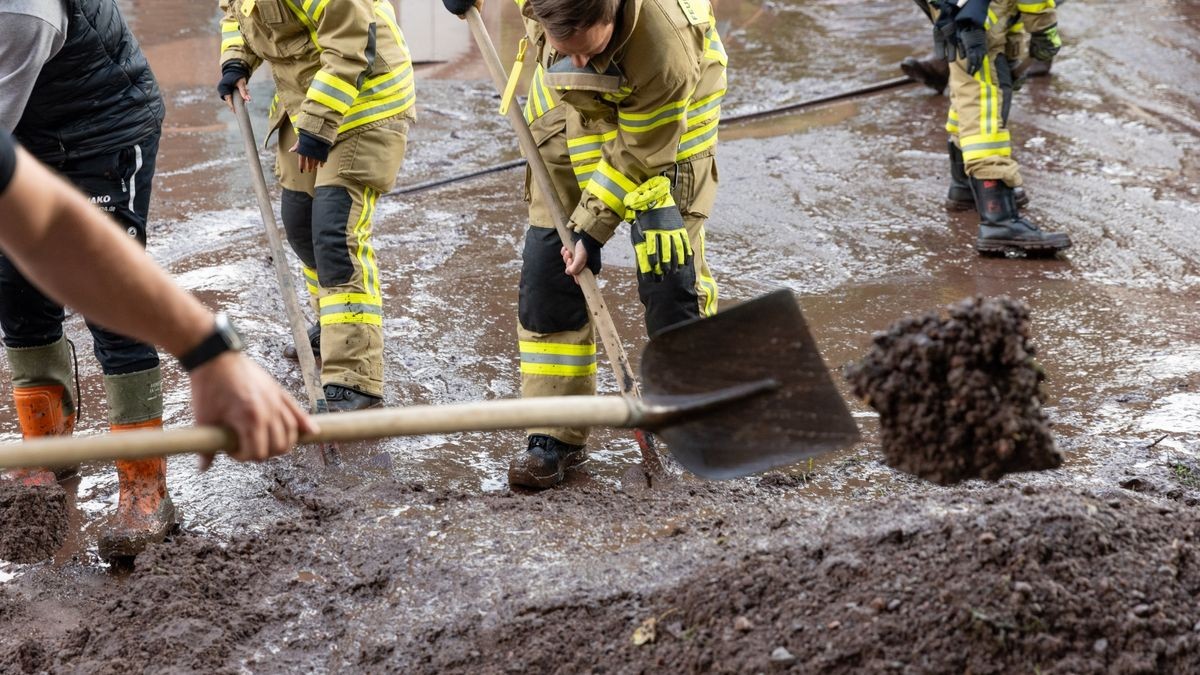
x,y
1001,227
960,197
932,72
314,339
344,399
544,462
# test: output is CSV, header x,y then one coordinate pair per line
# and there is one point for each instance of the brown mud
x,y
958,393
33,521
432,565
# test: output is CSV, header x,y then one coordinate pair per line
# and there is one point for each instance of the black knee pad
x,y
1004,80
671,300
296,208
550,301
331,213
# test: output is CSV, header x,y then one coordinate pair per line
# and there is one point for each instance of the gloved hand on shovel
x,y
459,7
660,239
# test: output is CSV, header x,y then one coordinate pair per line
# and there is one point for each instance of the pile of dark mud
x,y
33,521
958,393
994,581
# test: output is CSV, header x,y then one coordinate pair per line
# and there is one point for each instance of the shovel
x,y
291,305
734,394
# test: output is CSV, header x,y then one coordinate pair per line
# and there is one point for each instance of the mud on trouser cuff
x,y
47,364
134,397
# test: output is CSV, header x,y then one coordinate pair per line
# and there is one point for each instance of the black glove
x,y
232,71
1043,45
590,245
458,7
313,147
945,34
973,47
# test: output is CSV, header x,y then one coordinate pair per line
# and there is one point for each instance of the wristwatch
x,y
223,339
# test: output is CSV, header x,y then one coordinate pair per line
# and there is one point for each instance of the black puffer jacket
x,y
96,95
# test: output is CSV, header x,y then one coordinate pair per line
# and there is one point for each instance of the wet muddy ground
x,y
843,564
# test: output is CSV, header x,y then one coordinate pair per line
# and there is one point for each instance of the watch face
x,y
228,333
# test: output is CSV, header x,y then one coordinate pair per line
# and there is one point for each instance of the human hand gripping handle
x,y
660,238
1044,45
234,74
233,392
459,7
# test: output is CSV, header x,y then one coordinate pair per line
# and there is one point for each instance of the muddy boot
x,y
960,197
314,339
1003,230
345,399
43,402
544,462
931,72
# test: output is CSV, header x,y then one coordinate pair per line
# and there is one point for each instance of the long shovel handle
x,y
587,281
351,426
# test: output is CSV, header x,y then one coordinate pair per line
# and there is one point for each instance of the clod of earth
x,y
33,521
958,393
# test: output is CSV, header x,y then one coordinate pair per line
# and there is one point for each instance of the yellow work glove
x,y
660,240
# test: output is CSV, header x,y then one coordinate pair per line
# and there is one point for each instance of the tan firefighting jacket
x,y
340,66
651,99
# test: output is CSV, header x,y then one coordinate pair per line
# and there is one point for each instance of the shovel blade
x,y
804,415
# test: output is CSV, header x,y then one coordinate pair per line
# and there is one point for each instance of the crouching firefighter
x,y
975,39
624,104
79,95
344,101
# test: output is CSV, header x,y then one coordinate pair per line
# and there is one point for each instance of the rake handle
x,y
601,318
615,411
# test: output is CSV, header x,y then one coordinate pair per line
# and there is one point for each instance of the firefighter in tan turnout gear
x,y
624,104
344,100
974,36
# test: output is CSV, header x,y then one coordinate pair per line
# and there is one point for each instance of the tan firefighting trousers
x,y
977,122
558,349
328,217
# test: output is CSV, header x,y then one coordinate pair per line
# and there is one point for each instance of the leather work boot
x,y
145,513
960,197
43,410
1003,230
345,399
314,339
931,72
544,463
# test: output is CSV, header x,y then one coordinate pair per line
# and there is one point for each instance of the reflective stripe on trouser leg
x,y
350,304
982,134
706,285
557,349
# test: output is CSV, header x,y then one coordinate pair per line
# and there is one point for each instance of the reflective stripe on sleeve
x,y
610,186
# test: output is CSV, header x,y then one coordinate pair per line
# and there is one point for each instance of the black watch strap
x,y
223,339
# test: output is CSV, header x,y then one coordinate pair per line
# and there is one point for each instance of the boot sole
x,y
528,480
1015,246
122,547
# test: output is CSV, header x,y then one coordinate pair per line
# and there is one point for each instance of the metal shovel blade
x,y
764,339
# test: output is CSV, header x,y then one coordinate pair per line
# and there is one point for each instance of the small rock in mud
x,y
33,521
958,393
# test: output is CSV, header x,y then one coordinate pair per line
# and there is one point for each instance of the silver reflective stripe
x,y
352,307
609,184
706,107
994,145
382,107
396,77
558,359
137,166
334,92
693,142
674,111
589,147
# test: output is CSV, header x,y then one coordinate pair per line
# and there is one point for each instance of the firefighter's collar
x,y
627,17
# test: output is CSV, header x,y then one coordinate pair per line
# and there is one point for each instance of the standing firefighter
x,y
624,104
80,96
974,36
344,100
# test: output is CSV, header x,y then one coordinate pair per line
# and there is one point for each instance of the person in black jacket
x,y
79,96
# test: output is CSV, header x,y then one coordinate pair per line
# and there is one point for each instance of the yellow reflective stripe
x,y
610,186
558,369
384,10
641,122
331,92
387,84
306,20
350,299
705,109
349,90
230,43
364,252
979,146
987,96
952,121
374,110
352,317
706,285
231,35
713,47
1035,7
697,140
562,348
990,21
1018,27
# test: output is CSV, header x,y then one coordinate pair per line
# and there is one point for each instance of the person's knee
x,y
549,301
296,210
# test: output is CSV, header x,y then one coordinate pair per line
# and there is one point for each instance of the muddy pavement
x,y
435,565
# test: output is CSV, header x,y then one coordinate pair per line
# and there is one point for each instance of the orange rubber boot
x,y
145,512
42,411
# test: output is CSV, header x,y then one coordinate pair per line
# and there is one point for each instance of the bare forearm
x,y
52,241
